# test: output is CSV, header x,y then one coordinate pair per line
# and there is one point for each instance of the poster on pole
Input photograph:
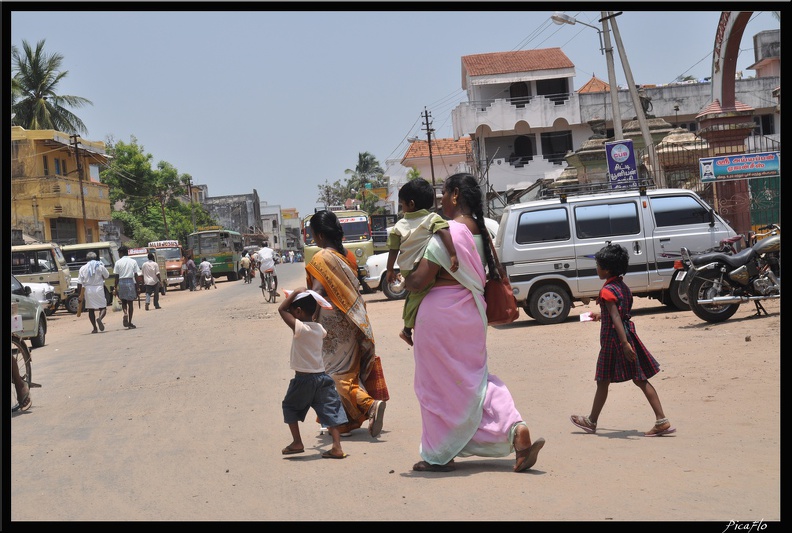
x,y
622,171
740,166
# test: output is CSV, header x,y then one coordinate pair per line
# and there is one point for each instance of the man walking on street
x,y
152,280
129,276
91,277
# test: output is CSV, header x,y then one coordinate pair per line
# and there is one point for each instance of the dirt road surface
x,y
180,420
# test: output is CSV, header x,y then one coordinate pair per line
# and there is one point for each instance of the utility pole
x,y
639,112
614,88
429,131
82,194
192,209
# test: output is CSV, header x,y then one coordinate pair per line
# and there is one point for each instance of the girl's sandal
x,y
662,427
584,423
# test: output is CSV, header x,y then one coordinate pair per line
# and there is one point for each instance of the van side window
x,y
44,260
678,211
542,226
19,263
607,220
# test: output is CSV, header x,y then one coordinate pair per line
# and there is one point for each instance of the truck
x,y
170,258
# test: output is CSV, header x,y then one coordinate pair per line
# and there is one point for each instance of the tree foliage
x,y
35,102
366,175
155,205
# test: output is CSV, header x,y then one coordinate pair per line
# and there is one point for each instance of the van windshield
x,y
356,228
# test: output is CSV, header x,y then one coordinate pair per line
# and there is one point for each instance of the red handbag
x,y
501,303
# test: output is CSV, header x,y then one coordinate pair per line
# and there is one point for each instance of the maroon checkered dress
x,y
612,365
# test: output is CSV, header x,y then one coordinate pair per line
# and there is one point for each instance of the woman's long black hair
x,y
470,196
326,223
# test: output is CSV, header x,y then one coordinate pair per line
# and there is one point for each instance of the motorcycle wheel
x,y
703,288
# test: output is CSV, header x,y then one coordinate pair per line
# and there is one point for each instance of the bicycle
x,y
21,357
268,288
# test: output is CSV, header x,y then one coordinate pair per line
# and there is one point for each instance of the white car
x,y
45,294
34,321
377,264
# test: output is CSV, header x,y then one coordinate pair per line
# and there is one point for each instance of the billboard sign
x,y
740,166
622,171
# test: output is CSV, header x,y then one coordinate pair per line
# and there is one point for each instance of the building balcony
x,y
504,114
57,196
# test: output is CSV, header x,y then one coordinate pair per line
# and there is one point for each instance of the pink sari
x,y
465,410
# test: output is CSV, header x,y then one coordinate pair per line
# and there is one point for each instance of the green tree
x,y
413,173
35,103
366,175
152,197
334,194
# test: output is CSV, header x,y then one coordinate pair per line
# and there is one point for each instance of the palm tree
x,y
367,170
34,99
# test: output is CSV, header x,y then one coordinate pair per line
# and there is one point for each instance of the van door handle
x,y
637,248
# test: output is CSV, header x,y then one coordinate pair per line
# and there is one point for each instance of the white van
x,y
44,263
548,246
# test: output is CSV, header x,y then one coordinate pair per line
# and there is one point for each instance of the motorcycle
x,y
206,281
716,283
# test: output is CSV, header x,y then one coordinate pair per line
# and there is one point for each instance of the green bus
x,y
221,247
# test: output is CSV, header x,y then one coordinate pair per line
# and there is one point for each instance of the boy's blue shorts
x,y
315,391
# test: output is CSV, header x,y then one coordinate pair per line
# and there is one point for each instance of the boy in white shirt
x,y
311,385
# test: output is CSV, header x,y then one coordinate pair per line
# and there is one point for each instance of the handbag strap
x,y
498,266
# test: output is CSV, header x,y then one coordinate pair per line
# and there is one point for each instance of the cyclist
x,y
266,260
244,264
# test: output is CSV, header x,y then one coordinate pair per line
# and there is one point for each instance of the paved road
x,y
180,420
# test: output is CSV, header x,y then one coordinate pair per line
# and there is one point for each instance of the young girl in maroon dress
x,y
622,354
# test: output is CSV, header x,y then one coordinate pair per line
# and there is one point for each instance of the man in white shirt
x,y
205,267
91,277
266,260
152,280
126,287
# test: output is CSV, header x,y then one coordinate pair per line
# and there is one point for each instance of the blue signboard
x,y
622,171
740,166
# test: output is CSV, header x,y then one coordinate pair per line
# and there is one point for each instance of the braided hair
x,y
470,196
326,223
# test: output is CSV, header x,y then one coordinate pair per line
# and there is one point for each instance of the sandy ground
x,y
180,420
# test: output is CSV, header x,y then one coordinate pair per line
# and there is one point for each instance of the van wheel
x,y
550,304
72,304
679,298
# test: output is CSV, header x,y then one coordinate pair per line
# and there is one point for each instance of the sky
x,y
282,99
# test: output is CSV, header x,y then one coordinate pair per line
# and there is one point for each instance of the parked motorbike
x,y
716,283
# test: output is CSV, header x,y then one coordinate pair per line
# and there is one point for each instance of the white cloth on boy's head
x,y
318,297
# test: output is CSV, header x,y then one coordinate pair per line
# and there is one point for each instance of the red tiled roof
x,y
440,147
520,61
715,108
594,85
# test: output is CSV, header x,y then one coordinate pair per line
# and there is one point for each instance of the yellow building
x,y
47,169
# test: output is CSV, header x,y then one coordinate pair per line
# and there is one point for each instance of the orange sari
x,y
348,349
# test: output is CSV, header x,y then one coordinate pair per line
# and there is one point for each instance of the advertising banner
x,y
740,166
622,171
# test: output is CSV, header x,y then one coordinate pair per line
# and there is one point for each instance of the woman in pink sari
x,y
465,410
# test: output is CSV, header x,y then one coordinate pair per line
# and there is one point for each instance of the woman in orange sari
x,y
348,348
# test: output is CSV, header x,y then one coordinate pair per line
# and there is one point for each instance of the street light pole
x,y
618,133
639,111
607,49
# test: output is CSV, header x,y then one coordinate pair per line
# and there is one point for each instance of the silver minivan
x,y
548,246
